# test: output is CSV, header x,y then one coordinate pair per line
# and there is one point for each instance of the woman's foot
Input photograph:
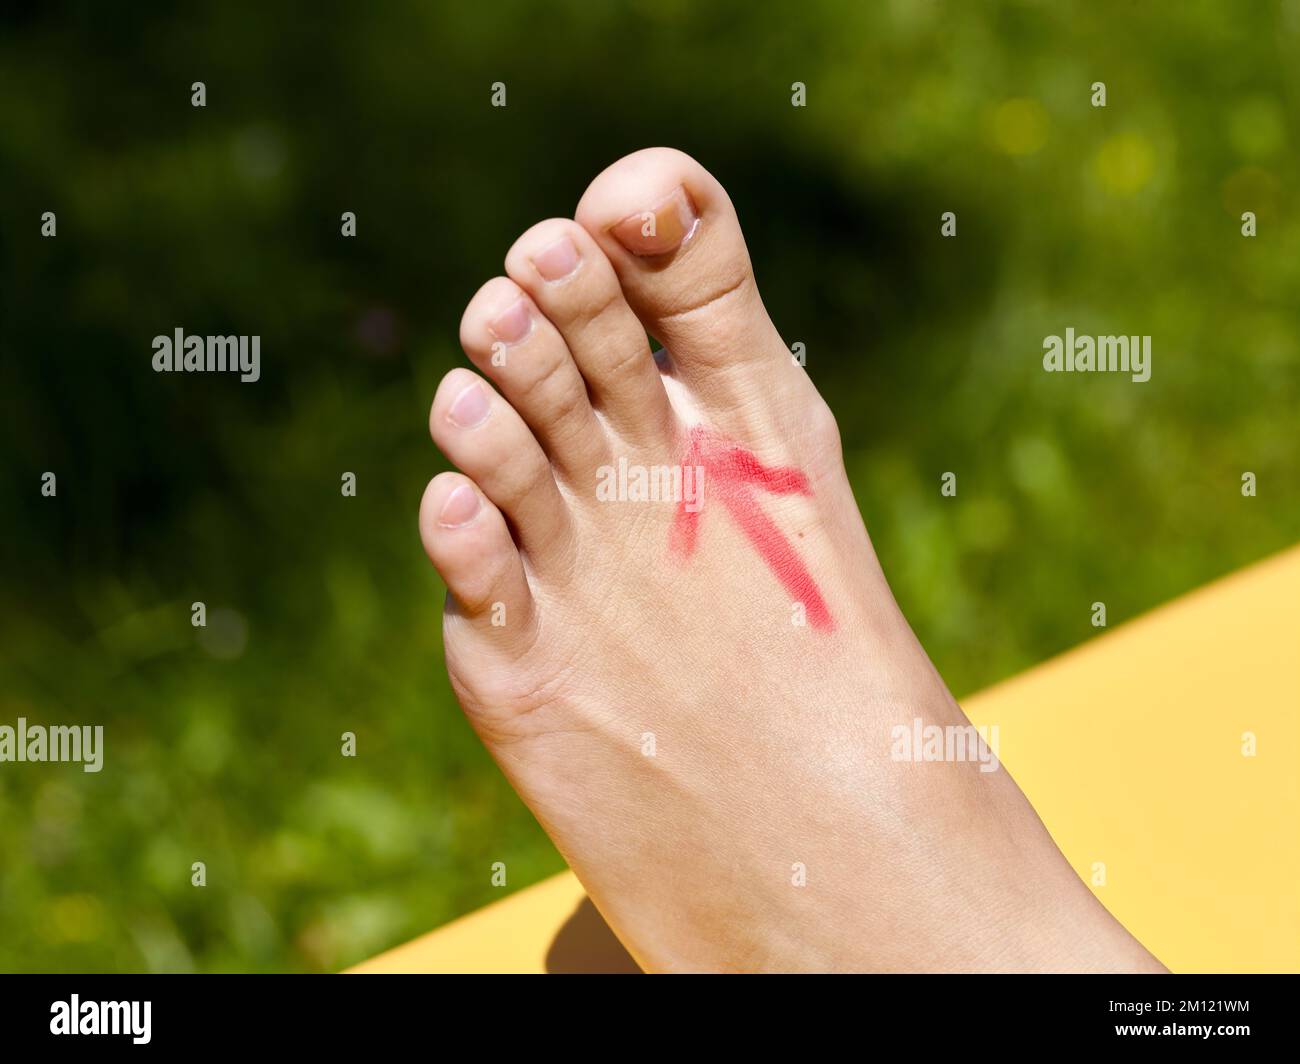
x,y
701,694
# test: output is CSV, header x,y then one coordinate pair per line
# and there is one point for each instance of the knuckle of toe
x,y
526,475
630,361
566,405
545,380
601,300
709,299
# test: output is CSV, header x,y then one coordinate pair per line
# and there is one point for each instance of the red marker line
x,y
731,475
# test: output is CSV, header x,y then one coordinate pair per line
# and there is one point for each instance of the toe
x,y
508,338
669,230
469,544
569,278
483,435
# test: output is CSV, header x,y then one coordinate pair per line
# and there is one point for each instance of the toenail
x,y
470,407
556,261
511,326
660,229
460,508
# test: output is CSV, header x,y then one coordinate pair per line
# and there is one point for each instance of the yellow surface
x,y
511,935
1130,748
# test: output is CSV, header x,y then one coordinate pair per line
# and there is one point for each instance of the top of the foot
x,y
666,620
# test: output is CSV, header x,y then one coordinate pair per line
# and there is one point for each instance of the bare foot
x,y
700,696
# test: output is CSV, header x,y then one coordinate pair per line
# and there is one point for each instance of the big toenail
x,y
556,261
660,229
460,507
470,407
511,326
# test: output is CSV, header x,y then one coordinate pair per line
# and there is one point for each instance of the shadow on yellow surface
x,y
585,944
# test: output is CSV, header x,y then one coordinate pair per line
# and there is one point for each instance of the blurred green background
x,y
223,744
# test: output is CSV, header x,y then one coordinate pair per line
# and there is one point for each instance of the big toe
x,y
669,229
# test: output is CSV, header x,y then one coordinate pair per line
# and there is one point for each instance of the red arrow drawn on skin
x,y
731,474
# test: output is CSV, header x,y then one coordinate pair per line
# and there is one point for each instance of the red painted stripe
x,y
731,474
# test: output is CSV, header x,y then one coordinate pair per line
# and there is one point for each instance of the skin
x,y
771,738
